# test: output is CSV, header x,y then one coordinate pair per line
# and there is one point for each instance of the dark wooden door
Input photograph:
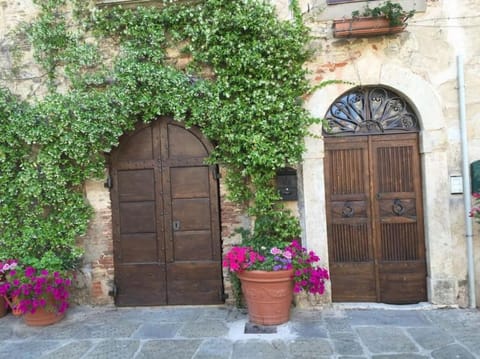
x,y
374,218
165,218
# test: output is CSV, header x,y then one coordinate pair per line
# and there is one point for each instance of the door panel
x,y
136,185
138,247
190,246
140,284
192,214
183,144
165,216
190,182
137,217
348,212
374,217
402,266
192,283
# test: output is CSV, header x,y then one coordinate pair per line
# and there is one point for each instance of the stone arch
x,y
442,287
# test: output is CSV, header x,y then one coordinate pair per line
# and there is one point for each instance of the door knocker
x,y
398,208
347,211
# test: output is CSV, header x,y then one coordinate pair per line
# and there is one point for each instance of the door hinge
x,y
216,172
114,291
108,182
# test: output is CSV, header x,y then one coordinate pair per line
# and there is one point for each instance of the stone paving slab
x,y
72,350
218,332
431,338
166,349
452,351
114,348
386,339
399,318
157,331
216,348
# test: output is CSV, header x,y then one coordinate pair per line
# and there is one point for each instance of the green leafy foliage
x,y
242,87
392,11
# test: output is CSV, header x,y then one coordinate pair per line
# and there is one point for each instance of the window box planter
x,y
365,26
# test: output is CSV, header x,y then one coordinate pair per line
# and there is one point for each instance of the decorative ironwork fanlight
x,y
370,110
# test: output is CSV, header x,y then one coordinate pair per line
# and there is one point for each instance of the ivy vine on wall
x,y
242,86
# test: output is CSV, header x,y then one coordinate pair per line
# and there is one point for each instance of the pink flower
x,y
275,251
30,272
308,276
33,287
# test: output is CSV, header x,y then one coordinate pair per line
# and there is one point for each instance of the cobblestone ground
x,y
219,333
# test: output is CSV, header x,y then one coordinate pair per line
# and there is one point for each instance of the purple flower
x,y
30,272
32,289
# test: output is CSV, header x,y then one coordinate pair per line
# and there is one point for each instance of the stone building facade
x,y
419,64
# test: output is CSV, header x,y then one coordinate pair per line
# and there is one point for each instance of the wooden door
x,y
374,218
165,218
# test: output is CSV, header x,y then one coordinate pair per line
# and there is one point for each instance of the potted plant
x,y
40,295
6,266
271,270
387,18
475,210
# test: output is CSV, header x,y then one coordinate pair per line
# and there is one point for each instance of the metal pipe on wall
x,y
466,183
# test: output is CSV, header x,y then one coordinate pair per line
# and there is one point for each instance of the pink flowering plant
x,y
6,266
307,276
475,211
33,288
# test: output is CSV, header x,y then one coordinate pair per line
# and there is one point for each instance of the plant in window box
x,y
387,18
40,295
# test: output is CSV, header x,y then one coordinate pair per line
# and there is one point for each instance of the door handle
x,y
176,225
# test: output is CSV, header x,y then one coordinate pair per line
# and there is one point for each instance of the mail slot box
x,y
287,184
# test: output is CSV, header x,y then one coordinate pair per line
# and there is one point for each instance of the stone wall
x,y
420,63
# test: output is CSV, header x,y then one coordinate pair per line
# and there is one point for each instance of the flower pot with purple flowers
x,y
41,296
270,276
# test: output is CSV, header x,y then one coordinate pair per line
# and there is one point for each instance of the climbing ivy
x,y
242,86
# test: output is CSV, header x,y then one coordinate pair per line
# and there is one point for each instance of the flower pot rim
x,y
268,271
364,18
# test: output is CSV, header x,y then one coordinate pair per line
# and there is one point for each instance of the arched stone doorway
x,y
373,194
443,279
165,210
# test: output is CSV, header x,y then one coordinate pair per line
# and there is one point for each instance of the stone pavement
x,y
218,332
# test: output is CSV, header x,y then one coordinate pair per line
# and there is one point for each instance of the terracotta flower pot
x,y
268,295
365,26
3,307
42,317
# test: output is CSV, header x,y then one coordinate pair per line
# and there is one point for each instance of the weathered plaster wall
x,y
28,80
421,64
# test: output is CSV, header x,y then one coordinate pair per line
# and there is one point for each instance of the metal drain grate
x,y
251,328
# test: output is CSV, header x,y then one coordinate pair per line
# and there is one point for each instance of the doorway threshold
x,y
369,305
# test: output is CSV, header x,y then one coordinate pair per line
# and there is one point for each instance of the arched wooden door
x,y
165,218
373,199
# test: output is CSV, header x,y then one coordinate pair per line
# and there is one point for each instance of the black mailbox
x,y
287,184
475,173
